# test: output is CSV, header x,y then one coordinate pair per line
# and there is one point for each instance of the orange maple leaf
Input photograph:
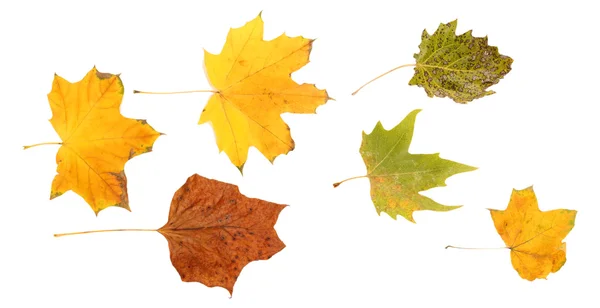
x,y
97,140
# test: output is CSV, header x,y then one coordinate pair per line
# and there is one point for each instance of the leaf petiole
x,y
395,68
25,147
176,92
348,179
474,248
99,231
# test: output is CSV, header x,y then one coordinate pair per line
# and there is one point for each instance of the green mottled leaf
x,y
397,176
460,67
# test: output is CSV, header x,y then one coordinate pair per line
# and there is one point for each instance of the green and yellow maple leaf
x,y
397,177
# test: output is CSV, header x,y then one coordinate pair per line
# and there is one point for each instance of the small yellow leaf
x,y
254,87
534,237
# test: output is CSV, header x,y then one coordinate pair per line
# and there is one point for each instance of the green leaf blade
x,y
397,177
459,67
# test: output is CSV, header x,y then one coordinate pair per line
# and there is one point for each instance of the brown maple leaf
x,y
214,231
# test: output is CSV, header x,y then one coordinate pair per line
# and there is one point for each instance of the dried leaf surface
x,y
460,67
214,231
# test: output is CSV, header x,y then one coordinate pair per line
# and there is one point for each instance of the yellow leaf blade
x,y
97,139
534,237
253,79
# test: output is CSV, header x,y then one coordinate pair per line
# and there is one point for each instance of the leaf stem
x,y
98,231
176,92
473,248
25,147
348,179
395,68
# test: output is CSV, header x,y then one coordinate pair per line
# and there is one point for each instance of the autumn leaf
x,y
397,177
97,140
533,237
214,231
253,87
459,67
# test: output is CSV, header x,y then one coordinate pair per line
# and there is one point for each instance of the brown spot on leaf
x,y
103,75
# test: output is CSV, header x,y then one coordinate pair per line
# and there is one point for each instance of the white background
x,y
539,129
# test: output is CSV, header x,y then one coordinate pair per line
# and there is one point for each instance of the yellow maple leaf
x,y
97,140
533,237
254,87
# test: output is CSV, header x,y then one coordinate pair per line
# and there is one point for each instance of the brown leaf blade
x,y
214,231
